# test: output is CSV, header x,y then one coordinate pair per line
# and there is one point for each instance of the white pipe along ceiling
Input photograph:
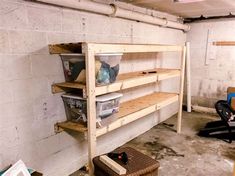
x,y
114,11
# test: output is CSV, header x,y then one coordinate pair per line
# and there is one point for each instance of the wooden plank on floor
x,y
112,165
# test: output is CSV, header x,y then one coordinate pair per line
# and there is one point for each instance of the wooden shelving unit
x,y
129,111
124,81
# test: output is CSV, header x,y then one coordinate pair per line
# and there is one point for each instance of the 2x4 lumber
x,y
91,105
72,126
181,93
110,48
135,109
124,81
128,112
224,43
125,48
130,80
112,165
188,74
61,87
167,73
65,48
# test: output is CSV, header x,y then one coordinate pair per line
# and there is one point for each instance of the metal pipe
x,y
114,11
202,18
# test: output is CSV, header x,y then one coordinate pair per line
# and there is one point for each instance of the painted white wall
x,y
211,76
28,109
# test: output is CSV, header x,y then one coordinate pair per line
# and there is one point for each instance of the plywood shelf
x,y
124,81
129,111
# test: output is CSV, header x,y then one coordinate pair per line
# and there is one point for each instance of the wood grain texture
x,y
181,93
112,165
224,43
128,112
124,81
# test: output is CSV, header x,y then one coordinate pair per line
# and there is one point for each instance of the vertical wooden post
x,y
181,93
188,70
91,104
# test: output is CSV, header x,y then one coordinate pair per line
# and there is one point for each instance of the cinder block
x,y
67,140
6,117
13,15
218,74
4,41
40,88
6,92
46,65
72,21
66,158
28,42
9,155
97,24
22,89
52,144
44,19
200,73
16,67
4,74
120,27
17,109
195,87
55,38
22,111
9,136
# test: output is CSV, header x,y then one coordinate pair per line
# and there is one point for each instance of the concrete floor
x,y
186,154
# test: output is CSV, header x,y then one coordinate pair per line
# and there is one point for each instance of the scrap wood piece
x,y
224,43
113,165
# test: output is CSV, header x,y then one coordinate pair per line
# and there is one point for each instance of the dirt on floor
x,y
186,154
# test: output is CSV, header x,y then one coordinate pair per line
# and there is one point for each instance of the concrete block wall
x,y
28,109
211,78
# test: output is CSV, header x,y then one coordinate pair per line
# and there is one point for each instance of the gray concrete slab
x,y
186,154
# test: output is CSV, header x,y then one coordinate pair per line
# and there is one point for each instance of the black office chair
x,y
224,128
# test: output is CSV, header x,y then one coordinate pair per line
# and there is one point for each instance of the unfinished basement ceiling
x,y
191,9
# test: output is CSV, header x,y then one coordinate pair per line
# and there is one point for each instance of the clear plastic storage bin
x,y
76,107
106,67
73,65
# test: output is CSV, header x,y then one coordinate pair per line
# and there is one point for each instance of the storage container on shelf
x,y
106,67
76,107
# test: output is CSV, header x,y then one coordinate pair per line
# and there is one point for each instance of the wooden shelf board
x,y
132,48
110,48
71,126
124,81
129,111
